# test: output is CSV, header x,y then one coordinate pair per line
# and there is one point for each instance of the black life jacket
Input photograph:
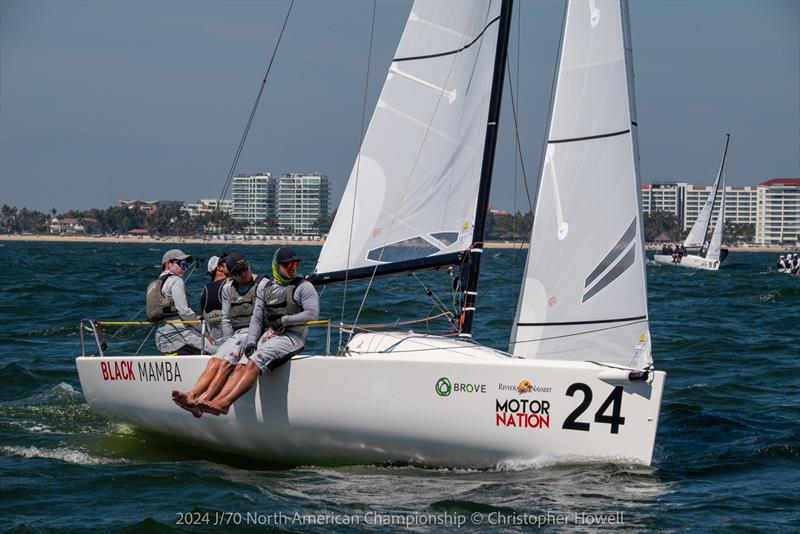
x,y
242,306
211,301
279,304
157,305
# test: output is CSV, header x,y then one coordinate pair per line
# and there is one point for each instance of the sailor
x,y
791,261
781,262
168,300
210,300
277,329
238,297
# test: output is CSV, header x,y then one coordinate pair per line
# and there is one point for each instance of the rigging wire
x,y
408,182
518,157
358,168
239,149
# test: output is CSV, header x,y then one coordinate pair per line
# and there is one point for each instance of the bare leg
x,y
222,404
233,380
189,398
221,378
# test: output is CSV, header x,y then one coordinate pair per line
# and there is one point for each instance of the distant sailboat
x,y
703,254
578,381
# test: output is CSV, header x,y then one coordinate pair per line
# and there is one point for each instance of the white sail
x,y
715,246
583,296
412,192
697,235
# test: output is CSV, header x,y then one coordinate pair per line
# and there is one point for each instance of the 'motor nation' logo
x,y
444,387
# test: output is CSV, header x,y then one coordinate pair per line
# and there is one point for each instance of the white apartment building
x,y
302,199
663,196
686,201
740,204
778,217
205,206
254,201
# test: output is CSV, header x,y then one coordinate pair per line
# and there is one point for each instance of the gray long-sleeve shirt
x,y
171,337
227,327
304,295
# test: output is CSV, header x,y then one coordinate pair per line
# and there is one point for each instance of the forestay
x,y
583,295
412,192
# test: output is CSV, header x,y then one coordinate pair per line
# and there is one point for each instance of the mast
x,y
471,269
716,190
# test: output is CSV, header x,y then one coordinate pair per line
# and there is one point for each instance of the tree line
x,y
170,220
166,220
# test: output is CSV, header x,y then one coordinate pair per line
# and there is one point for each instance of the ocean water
x,y
727,454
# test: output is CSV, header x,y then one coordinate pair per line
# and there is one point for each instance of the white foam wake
x,y
67,455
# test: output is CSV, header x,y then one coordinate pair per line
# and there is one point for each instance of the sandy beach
x,y
293,242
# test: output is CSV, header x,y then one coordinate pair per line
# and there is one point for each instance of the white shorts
x,y
231,347
274,351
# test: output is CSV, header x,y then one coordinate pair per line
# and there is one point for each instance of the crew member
x,y
168,300
238,301
210,299
283,307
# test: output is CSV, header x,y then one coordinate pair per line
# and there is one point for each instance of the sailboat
x,y
703,254
578,380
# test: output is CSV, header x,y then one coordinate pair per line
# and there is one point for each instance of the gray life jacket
x,y
278,305
157,305
242,306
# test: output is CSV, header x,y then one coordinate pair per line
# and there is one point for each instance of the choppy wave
x,y
64,454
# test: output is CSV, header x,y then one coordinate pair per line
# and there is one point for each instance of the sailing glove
x,y
249,349
276,324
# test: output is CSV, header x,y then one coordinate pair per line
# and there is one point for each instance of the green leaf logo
x,y
443,387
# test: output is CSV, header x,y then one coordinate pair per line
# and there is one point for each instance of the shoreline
x,y
292,242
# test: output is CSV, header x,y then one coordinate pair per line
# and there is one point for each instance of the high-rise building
x,y
303,198
778,219
254,197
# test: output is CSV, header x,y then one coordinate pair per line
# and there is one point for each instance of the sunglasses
x,y
183,264
291,264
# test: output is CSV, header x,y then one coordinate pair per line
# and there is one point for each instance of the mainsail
x,y
412,194
697,235
583,295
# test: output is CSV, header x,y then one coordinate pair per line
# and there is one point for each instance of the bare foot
x,y
211,407
187,403
183,399
194,409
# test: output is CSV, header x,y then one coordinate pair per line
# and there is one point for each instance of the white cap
x,y
213,261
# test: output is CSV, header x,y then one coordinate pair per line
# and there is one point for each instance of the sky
x,y
102,101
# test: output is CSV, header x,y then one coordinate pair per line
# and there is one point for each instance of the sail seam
x,y
598,321
588,138
450,52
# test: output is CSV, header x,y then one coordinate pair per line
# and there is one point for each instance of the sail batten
x,y
587,228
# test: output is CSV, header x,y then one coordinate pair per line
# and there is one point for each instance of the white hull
x,y
690,261
384,406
